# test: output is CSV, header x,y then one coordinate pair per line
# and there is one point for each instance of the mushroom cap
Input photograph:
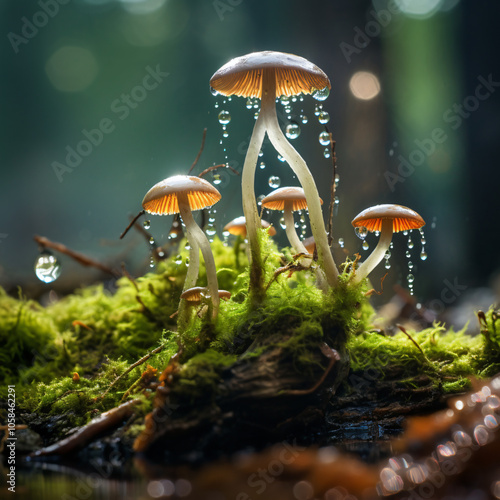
x,y
161,199
242,76
276,200
403,218
238,227
309,244
195,294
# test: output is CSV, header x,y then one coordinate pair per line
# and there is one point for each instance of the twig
x,y
222,165
200,151
134,220
372,291
129,369
77,256
332,189
403,329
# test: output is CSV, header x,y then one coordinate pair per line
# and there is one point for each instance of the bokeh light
x,y
364,85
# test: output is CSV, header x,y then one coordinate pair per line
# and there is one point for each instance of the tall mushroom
x,y
387,219
267,75
183,194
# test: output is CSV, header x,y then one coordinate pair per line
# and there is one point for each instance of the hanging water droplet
x,y
224,117
361,232
187,261
151,241
47,267
225,133
410,243
292,131
387,255
324,138
249,103
146,224
288,109
216,179
152,262
387,264
274,181
262,165
423,255
304,119
317,109
327,153
285,100
321,94
365,245
408,254
213,91
336,201
281,159
341,242
211,231
405,232
337,180
324,117
410,278
282,223
256,115
410,264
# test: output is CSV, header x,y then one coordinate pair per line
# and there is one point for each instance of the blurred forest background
x,y
414,109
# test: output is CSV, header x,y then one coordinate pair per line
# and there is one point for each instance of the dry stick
x,y
222,165
403,329
134,220
129,369
79,257
332,189
200,151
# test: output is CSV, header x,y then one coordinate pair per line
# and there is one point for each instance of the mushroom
x,y
183,194
267,75
195,295
289,200
387,219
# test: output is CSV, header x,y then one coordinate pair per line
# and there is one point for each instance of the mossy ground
x,y
99,335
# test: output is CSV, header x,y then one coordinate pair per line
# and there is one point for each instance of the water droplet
x,y
259,199
323,117
225,134
47,267
423,255
387,264
410,278
408,254
337,180
274,181
152,262
491,422
285,100
256,115
146,224
481,435
216,179
336,201
151,241
249,103
213,91
462,439
317,109
304,119
391,481
224,117
292,131
261,153
321,94
281,159
410,264
262,165
365,245
324,138
211,231
410,243
341,242
387,255
405,232
327,153
361,232
282,223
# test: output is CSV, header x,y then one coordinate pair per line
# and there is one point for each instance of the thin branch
x,y
200,151
134,220
77,256
403,329
222,165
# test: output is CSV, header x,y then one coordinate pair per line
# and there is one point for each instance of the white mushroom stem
x,y
299,166
194,262
200,239
378,254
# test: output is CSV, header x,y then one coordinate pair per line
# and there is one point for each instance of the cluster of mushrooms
x,y
269,75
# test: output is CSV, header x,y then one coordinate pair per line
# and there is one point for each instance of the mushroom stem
x,y
200,240
250,207
290,229
378,254
299,166
191,275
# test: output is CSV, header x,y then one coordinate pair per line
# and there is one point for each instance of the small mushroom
x,y
195,295
183,194
238,227
387,219
268,75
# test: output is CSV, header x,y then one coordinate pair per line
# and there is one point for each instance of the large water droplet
x,y
47,267
321,94
324,138
274,181
285,100
423,255
361,232
213,91
292,131
146,224
323,117
224,117
365,245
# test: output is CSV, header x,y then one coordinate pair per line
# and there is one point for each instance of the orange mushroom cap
x,y
276,200
238,227
242,76
162,199
403,218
